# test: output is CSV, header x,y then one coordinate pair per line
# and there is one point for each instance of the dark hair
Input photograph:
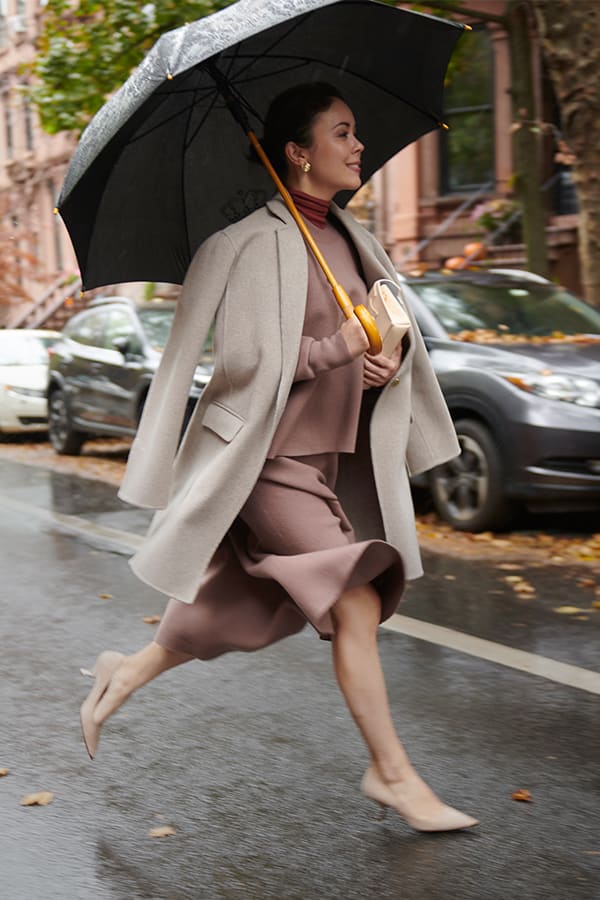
x,y
290,118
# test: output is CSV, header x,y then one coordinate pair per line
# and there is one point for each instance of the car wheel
x,y
467,491
63,436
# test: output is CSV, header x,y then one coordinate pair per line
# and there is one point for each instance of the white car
x,y
24,379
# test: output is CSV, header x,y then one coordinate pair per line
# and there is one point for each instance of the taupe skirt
x,y
285,561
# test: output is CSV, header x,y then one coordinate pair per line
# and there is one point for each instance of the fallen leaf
x,y
162,831
88,673
513,579
4,772
151,620
42,798
586,582
524,588
568,610
523,794
105,596
450,577
582,618
596,604
509,567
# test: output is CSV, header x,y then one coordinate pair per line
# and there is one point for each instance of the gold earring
x,y
306,166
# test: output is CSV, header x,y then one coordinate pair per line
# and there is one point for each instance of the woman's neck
x,y
312,208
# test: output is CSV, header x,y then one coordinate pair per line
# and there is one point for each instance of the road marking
x,y
123,539
521,660
543,666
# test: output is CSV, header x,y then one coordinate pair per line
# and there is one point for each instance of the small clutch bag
x,y
385,304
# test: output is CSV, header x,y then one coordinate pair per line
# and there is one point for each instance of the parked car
x,y
518,360
23,379
102,367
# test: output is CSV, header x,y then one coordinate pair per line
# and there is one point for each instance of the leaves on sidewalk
x,y
523,794
42,798
162,831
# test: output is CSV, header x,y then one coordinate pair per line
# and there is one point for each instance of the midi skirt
x,y
286,560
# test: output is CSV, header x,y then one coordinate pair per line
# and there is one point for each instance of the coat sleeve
x,y
148,476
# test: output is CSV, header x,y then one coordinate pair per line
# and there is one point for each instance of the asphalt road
x,y
253,759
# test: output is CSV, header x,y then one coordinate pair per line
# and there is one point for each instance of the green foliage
x,y
87,49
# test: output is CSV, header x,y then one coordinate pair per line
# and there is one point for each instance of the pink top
x,y
321,415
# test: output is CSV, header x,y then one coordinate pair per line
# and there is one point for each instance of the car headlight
x,y
553,386
25,391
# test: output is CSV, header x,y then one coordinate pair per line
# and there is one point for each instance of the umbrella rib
x,y
190,141
299,21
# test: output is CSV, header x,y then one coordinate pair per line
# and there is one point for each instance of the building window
x,y
467,149
3,25
28,123
8,124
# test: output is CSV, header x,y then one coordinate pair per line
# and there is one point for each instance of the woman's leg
x,y
132,673
391,780
358,670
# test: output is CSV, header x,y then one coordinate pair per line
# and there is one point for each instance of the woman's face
x,y
334,154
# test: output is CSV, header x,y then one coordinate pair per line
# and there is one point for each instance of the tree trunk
x,y
526,144
570,30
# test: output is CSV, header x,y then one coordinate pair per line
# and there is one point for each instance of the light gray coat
x,y
253,277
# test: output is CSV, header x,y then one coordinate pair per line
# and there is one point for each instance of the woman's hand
x,y
355,337
379,369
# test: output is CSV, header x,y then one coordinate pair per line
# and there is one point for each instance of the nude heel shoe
x,y
106,664
444,818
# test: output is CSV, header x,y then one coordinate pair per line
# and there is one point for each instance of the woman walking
x,y
288,500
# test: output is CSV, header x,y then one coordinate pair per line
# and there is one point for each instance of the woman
x,y
299,427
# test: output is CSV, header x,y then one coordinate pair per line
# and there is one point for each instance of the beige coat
x,y
253,277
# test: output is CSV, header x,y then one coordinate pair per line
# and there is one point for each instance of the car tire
x,y
63,436
467,492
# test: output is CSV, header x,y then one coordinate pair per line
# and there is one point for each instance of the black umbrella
x,y
164,163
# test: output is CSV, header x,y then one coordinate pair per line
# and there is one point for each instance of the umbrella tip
x,y
169,76
468,27
444,125
56,210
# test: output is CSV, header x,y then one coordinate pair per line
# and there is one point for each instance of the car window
x,y
516,308
119,324
87,329
156,323
23,350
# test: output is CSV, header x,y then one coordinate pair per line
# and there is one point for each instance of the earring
x,y
306,166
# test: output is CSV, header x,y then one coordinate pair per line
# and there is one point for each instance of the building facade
x,y
32,168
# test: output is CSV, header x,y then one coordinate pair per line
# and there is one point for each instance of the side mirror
x,y
123,345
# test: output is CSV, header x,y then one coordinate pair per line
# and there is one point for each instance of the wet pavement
x,y
253,759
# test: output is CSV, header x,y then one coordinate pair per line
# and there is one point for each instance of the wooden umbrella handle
x,y
361,312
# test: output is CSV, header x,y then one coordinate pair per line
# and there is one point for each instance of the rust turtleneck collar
x,y
312,208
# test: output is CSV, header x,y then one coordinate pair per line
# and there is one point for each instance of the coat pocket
x,y
222,421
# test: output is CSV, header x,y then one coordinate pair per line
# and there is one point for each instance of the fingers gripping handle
x,y
362,314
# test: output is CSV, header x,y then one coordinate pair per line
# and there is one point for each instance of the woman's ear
x,y
295,154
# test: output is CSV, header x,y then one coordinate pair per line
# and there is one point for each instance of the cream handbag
x,y
385,304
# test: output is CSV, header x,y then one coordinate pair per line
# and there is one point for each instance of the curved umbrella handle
x,y
361,312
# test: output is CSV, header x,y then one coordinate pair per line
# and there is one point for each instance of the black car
x,y
101,369
518,360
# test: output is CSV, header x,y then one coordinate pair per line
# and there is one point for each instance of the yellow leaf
x,y
105,596
523,794
513,579
568,610
151,620
162,831
42,798
4,772
596,604
450,577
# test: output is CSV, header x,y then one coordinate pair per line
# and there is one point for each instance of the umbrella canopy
x,y
164,164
